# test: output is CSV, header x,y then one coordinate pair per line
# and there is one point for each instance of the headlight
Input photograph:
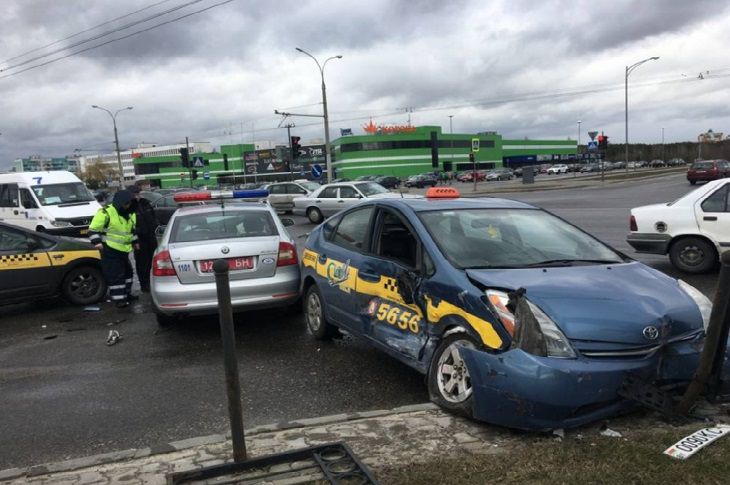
x,y
532,329
61,224
703,303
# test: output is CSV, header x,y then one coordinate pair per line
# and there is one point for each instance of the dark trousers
x,y
117,272
143,260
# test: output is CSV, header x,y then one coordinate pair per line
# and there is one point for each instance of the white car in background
x,y
282,194
556,169
694,229
332,198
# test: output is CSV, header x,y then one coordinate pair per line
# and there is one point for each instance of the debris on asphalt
x,y
76,329
116,322
689,445
44,326
50,337
92,308
611,433
113,337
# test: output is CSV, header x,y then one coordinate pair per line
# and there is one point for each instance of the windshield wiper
x,y
69,204
568,262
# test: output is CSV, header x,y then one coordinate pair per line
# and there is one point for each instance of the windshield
x,y
68,193
508,238
371,188
703,166
310,186
222,225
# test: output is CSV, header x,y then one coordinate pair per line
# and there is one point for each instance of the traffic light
x,y
185,157
194,174
295,147
471,157
225,162
602,142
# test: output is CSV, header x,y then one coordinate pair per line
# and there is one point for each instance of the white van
x,y
54,202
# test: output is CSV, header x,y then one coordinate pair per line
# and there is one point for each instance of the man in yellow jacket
x,y
112,230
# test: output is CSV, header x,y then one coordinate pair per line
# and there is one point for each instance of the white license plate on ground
x,y
234,264
691,444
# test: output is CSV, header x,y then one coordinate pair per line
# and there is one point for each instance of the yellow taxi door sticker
x,y
24,261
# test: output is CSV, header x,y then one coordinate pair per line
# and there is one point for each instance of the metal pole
x,y
190,162
626,118
474,172
451,126
577,151
291,155
663,157
233,385
327,153
699,147
713,351
119,156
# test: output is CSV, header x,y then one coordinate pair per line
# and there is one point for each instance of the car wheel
x,y
693,255
449,383
314,215
692,182
84,285
165,320
315,316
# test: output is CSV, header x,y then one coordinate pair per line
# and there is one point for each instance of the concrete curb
x,y
162,448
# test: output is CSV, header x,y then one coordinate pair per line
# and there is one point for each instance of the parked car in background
x,y
643,163
619,165
633,165
420,181
574,167
362,178
557,169
388,181
676,162
708,170
657,163
469,176
590,167
518,171
282,194
499,174
332,198
544,167
693,230
261,256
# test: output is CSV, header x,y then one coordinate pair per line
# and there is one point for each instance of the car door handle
x,y
317,201
709,218
340,201
367,276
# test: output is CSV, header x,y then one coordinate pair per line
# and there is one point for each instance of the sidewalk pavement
x,y
378,438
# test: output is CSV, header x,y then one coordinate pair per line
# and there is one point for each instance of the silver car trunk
x,y
191,258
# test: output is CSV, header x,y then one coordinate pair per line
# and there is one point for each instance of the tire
x,y
315,316
692,182
165,320
83,285
693,255
445,355
314,215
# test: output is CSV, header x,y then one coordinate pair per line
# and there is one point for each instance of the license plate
x,y
83,231
234,264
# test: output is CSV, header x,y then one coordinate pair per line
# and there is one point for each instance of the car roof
x,y
425,204
230,205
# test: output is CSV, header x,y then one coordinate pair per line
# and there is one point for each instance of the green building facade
x,y
413,151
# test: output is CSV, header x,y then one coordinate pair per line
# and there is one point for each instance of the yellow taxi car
x,y
37,265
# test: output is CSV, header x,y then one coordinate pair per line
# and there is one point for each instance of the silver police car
x,y
261,255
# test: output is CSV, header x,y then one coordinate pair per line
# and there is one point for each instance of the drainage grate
x,y
332,463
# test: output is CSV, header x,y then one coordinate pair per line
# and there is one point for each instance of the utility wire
x,y
115,40
83,32
103,34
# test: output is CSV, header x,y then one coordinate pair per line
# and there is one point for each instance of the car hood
x,y
82,209
603,303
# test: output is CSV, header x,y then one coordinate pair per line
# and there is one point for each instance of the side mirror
x,y
287,222
32,244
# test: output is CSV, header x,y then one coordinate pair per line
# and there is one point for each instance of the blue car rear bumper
x,y
519,390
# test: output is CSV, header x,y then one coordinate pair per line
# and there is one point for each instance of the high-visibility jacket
x,y
114,230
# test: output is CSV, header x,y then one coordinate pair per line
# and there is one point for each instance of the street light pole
x,y
629,70
577,151
327,151
663,158
116,141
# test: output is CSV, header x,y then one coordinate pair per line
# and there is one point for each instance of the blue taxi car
x,y
515,316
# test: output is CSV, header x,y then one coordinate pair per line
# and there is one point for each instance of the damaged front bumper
x,y
520,390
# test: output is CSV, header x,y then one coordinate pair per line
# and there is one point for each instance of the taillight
x,y
287,254
162,264
632,224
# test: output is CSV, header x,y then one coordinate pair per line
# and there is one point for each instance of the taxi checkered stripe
x,y
390,284
15,258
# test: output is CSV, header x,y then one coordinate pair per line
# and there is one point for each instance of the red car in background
x,y
705,170
469,176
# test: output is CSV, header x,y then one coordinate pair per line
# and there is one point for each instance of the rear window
x,y
222,225
703,165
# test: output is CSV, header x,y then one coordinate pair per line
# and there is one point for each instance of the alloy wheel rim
x,y
83,285
314,312
453,378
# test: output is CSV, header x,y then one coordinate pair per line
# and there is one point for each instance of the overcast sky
x,y
519,67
